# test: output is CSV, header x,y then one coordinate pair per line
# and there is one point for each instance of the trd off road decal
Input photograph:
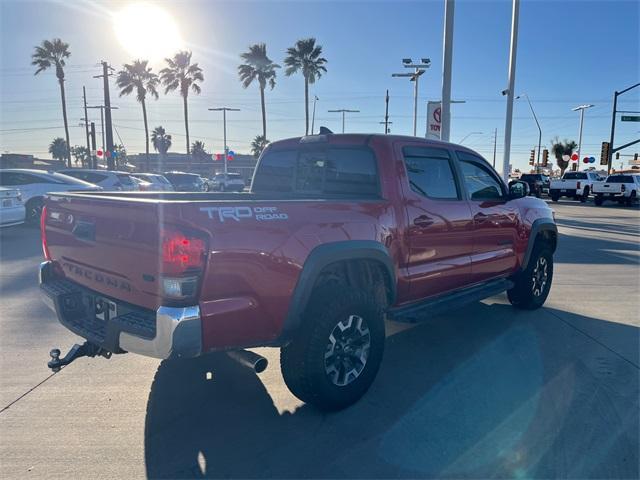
x,y
262,214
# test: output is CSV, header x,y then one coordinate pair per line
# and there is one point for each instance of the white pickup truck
x,y
576,185
623,188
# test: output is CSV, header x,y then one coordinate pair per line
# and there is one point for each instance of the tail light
x,y
578,186
183,261
622,188
43,233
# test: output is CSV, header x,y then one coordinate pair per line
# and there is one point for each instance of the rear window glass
x,y
575,176
530,177
333,171
124,179
620,179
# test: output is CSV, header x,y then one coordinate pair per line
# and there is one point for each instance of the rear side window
x,y
430,173
333,171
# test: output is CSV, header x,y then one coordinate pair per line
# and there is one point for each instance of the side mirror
x,y
518,189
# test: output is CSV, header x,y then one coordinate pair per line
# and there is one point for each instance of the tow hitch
x,y
87,349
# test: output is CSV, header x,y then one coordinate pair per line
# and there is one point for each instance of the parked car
x,y
107,179
12,211
34,184
337,233
141,184
158,182
576,185
538,183
622,188
231,182
185,182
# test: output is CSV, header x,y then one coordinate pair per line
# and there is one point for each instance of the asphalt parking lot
x,y
485,391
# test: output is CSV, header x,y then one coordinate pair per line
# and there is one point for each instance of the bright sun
x,y
147,32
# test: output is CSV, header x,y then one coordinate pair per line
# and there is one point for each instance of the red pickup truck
x,y
337,233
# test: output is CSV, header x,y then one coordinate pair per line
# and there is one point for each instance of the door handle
x,y
480,217
423,221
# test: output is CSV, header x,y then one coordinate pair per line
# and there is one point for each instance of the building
x,y
20,160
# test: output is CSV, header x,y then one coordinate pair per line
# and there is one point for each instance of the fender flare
x,y
322,256
539,225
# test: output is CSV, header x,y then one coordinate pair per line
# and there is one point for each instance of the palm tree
x,y
258,145
139,76
183,75
52,54
258,67
559,149
305,57
58,149
198,150
161,140
80,154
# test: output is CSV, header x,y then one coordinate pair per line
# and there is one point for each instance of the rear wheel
x,y
632,199
554,197
33,210
334,357
532,285
598,200
585,195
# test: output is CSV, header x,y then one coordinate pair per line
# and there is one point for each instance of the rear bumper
x,y
167,332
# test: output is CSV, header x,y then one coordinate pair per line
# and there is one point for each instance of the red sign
x,y
574,157
99,153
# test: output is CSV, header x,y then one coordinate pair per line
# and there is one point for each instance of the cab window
x,y
481,182
430,173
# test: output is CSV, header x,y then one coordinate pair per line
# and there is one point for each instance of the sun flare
x,y
147,31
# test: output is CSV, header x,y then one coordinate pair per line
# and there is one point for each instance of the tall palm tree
x,y
305,57
258,144
52,54
139,77
59,149
161,140
258,67
180,74
198,150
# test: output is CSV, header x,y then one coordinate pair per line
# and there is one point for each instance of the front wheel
x,y
334,357
532,285
33,210
598,200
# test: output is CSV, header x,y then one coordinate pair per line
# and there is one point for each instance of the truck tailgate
x,y
604,187
107,245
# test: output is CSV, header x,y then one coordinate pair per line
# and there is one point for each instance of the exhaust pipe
x,y
249,359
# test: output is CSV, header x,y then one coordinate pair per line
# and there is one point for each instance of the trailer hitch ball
x,y
55,359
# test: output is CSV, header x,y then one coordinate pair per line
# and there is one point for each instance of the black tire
x,y
585,195
598,200
555,197
320,380
33,210
631,200
538,193
532,285
221,188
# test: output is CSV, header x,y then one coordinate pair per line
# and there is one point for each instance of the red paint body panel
x,y
252,267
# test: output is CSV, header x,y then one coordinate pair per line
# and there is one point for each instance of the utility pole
x,y
107,115
581,108
386,113
86,123
343,111
510,88
102,126
419,69
447,57
386,124
224,111
313,117
495,145
612,150
94,161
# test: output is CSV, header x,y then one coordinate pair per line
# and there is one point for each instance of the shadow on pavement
x,y
590,250
477,394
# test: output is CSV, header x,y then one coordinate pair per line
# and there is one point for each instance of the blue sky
x,y
569,53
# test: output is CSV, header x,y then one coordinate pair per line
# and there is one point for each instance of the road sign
x,y
630,118
434,114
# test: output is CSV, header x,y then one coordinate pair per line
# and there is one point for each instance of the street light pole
x,y
509,92
582,108
418,69
313,116
539,129
468,135
447,57
343,111
224,111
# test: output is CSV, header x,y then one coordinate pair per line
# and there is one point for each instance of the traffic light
x,y
532,158
617,155
635,157
604,154
545,157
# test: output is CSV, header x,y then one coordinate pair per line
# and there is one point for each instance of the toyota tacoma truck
x,y
576,185
337,234
621,188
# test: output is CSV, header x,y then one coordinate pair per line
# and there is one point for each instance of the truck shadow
x,y
482,392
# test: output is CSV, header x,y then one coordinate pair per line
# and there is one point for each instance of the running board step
x,y
426,309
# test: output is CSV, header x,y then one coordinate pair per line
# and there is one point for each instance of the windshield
x,y
620,179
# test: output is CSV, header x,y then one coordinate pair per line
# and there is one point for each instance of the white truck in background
x,y
620,187
576,185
